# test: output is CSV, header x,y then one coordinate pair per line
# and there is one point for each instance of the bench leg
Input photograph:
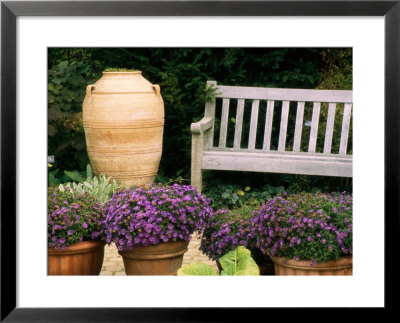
x,y
197,155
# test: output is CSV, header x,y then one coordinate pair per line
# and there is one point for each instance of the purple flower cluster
x,y
154,213
225,231
72,218
317,227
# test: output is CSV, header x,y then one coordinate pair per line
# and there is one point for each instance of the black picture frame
x,y
10,10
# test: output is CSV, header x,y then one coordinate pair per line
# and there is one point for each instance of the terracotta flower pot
x,y
161,259
82,258
340,267
123,119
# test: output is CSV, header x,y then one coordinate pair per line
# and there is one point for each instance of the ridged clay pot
x,y
161,259
82,258
340,267
123,120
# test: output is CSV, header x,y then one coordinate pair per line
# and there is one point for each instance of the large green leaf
x,y
74,175
238,262
197,269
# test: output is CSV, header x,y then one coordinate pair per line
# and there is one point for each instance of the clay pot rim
x,y
79,247
158,247
122,72
343,261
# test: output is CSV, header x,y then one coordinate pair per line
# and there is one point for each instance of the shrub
x,y
154,213
72,218
316,227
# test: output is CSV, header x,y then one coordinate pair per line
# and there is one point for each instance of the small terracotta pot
x,y
82,258
161,259
340,267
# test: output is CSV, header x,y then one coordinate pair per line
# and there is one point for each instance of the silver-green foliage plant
x,y
100,187
237,262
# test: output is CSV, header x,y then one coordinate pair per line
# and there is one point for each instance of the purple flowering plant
x,y
228,229
306,226
72,218
151,214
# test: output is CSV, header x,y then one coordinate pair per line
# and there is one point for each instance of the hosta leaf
x,y
238,262
197,269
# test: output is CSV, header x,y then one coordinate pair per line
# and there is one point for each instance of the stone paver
x,y
113,264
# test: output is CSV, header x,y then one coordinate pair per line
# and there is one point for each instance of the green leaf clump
x,y
101,187
237,262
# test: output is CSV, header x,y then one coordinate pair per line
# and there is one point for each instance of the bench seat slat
x,y
278,163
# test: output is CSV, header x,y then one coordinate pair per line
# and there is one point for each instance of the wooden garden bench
x,y
245,155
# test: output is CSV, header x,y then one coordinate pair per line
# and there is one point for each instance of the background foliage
x,y
182,74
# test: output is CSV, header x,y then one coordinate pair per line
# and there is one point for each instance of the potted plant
x,y
75,245
152,225
228,229
307,234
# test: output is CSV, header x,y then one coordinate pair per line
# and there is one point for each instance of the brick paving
x,y
114,266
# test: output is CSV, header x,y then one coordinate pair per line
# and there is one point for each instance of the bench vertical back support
x,y
269,156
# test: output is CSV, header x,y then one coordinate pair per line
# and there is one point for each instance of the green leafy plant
x,y
237,262
67,82
116,69
101,187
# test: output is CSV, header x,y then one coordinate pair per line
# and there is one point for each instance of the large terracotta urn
x,y
123,119
162,259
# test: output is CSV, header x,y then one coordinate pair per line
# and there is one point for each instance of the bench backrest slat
x,y
299,126
253,124
238,123
329,128
259,93
345,129
283,127
268,125
224,123
314,127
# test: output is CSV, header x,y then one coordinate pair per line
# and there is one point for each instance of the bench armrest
x,y
202,125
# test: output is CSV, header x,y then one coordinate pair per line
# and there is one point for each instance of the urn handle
x,y
89,90
157,89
